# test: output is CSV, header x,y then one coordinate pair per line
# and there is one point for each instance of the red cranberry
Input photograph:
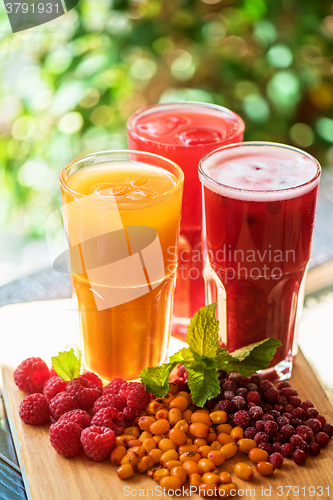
x,y
261,437
314,449
283,384
299,457
241,419
270,428
328,429
276,459
322,439
305,432
314,424
287,450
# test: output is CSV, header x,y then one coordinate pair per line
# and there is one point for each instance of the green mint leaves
x,y
204,357
68,363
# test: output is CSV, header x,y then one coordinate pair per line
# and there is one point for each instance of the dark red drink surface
x,y
184,133
260,250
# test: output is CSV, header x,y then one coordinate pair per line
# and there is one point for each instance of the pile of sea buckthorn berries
x,y
173,440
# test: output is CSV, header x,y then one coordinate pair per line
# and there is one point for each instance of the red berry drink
x,y
184,133
259,210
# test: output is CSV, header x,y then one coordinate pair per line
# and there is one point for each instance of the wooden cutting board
x,y
49,476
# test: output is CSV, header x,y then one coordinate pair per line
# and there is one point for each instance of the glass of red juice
x,y
259,202
184,132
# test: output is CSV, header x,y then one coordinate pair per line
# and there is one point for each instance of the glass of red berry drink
x,y
258,217
184,132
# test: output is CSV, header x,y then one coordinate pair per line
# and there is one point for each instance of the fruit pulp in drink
x,y
120,341
259,216
184,133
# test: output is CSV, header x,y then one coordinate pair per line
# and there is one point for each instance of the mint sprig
x,y
68,363
204,357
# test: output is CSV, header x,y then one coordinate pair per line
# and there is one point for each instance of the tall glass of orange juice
x,y
121,215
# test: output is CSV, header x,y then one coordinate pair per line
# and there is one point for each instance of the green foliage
x,y
68,87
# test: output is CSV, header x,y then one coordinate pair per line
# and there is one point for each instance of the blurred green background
x,y
68,87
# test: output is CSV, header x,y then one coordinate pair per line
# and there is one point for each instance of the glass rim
x,y
130,125
275,145
122,153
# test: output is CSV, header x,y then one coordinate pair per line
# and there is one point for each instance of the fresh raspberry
x,y
129,414
53,373
85,391
241,419
93,378
109,417
31,375
65,438
107,400
53,386
98,442
135,394
61,403
114,386
34,409
79,417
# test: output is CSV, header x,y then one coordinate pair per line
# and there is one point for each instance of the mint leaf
x,y
67,365
203,383
203,332
156,378
250,358
181,355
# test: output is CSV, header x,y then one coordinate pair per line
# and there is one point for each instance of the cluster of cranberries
x,y
275,418
86,416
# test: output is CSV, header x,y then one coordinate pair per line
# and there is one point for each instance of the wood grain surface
x,y
49,476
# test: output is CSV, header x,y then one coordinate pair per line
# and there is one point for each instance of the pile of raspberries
x,y
85,415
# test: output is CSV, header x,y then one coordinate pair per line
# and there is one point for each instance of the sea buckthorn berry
x,y
129,437
243,471
178,437
265,468
141,452
179,402
121,440
174,415
207,490
182,425
195,479
206,465
118,454
190,455
204,450
149,444
217,457
145,435
225,438
179,472
173,463
215,445
134,431
187,414
191,467
125,471
245,445
157,438
226,428
210,478
160,426
218,417
160,473
163,413
169,455
166,444
225,477
144,464
199,430
212,436
237,433
185,395
187,447
257,455
229,450
168,398
227,490
134,442
131,457
145,423
200,442
155,455
153,407
199,416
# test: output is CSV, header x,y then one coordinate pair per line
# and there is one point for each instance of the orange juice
x,y
126,216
